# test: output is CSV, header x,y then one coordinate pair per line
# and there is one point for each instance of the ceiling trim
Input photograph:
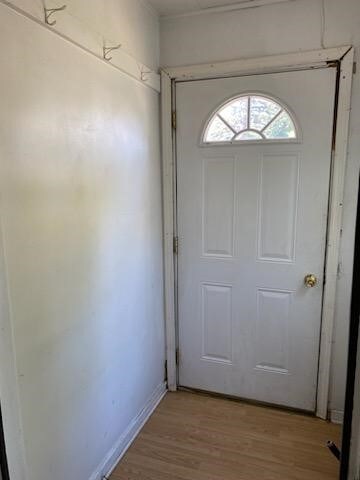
x,y
225,8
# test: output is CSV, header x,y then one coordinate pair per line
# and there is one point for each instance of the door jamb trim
x,y
294,61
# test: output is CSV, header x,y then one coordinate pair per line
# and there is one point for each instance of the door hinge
x,y
339,269
354,67
173,120
176,245
177,356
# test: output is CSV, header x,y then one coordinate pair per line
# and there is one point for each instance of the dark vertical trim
x,y
352,355
3,459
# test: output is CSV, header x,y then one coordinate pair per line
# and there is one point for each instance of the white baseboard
x,y
337,416
113,457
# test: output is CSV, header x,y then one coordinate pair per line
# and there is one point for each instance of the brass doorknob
x,y
310,280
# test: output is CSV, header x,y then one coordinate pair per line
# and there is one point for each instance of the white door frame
x,y
344,57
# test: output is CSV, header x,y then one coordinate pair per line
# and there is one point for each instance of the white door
x,y
253,168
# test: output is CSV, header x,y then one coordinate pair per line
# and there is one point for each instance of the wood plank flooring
x,y
197,437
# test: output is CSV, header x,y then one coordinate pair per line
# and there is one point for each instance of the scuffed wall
x,y
82,237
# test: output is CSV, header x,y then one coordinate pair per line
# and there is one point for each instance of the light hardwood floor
x,y
197,437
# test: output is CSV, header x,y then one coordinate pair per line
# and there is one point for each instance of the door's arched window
x,y
249,118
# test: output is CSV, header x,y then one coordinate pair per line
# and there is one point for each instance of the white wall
x,y
285,27
82,242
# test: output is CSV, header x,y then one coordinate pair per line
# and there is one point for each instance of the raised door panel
x,y
279,180
272,331
216,322
218,207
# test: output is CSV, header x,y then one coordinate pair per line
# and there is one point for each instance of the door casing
x,y
344,58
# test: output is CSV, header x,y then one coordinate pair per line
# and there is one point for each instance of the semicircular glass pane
x,y
217,131
262,111
249,135
250,117
281,128
235,113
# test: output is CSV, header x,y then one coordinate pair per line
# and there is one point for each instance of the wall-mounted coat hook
x,y
50,11
107,50
144,73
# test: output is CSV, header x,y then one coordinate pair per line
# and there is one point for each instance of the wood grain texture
x,y
198,437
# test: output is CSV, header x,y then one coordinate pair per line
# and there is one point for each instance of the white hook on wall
x,y
143,74
50,11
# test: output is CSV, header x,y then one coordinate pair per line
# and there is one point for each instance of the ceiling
x,y
178,7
